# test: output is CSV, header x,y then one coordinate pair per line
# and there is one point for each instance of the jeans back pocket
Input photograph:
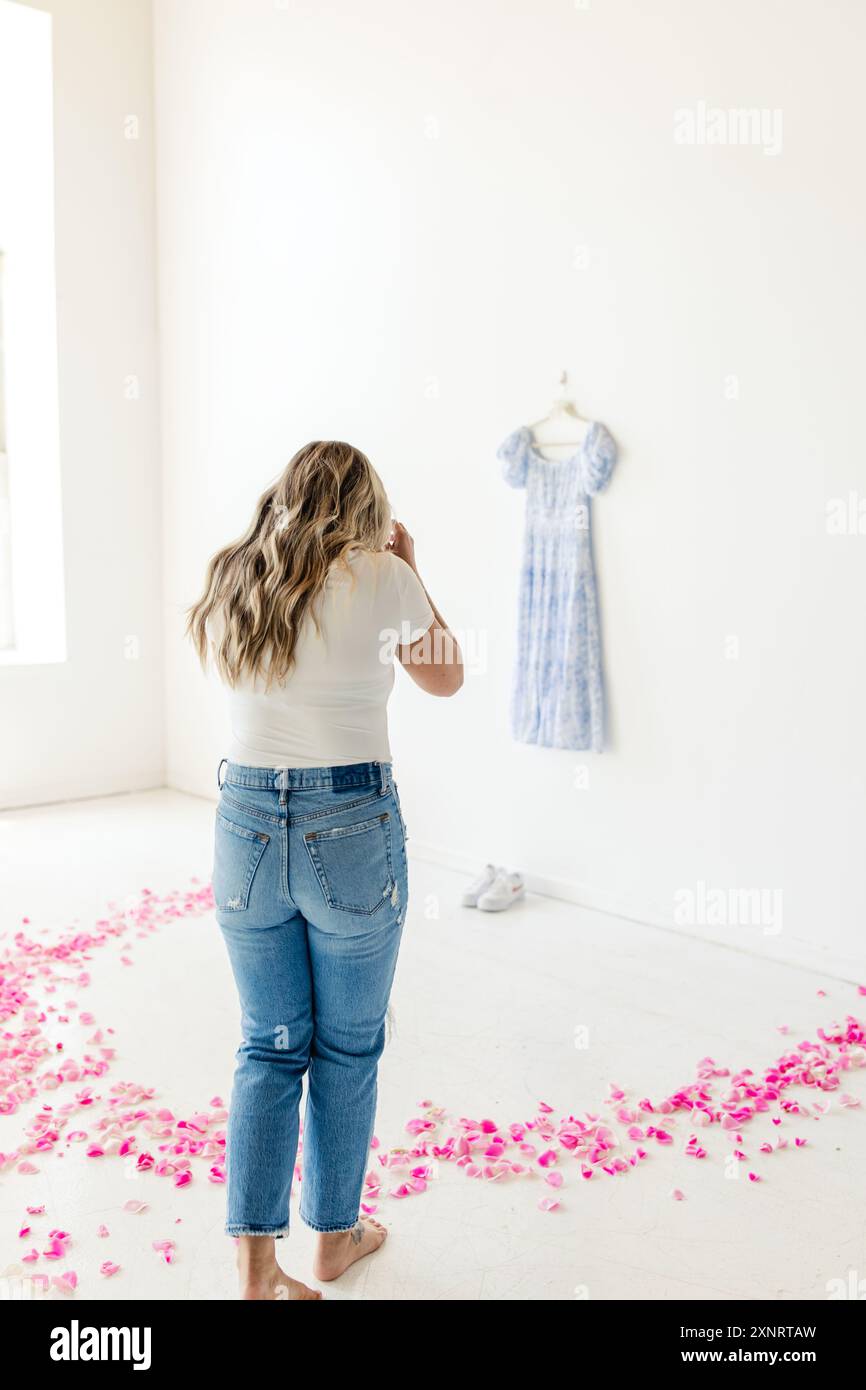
x,y
237,852
353,864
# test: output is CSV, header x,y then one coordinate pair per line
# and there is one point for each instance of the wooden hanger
x,y
562,427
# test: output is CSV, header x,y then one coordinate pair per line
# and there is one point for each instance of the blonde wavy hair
x,y
328,501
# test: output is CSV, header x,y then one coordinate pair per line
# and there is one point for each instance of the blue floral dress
x,y
558,698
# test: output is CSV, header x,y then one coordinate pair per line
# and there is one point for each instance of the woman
x,y
302,618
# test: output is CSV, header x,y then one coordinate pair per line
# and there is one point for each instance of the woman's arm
x,y
435,661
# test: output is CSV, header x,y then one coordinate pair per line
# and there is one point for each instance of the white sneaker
x,y
481,884
504,890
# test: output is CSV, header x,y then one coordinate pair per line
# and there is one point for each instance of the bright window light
x,y
32,610
7,623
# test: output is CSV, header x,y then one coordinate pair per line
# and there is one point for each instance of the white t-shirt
x,y
331,708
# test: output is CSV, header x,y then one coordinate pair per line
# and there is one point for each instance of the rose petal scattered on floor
x,y
155,1142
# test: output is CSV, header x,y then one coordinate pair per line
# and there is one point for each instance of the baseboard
x,y
82,789
795,952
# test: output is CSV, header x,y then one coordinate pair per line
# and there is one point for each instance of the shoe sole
x,y
501,907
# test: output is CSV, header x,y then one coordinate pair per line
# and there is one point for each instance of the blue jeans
x,y
310,885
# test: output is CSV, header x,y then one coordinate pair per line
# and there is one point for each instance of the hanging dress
x,y
558,697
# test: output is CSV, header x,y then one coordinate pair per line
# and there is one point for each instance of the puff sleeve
x,y
598,460
512,454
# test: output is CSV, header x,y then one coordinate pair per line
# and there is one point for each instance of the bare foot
x,y
339,1249
276,1286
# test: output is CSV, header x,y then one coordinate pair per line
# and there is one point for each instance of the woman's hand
x,y
402,545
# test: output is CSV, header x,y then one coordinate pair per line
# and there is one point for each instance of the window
x,y
32,618
7,629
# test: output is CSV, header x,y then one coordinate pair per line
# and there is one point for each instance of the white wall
x,y
394,224
32,599
93,723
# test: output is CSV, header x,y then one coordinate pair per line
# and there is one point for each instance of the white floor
x,y
487,1008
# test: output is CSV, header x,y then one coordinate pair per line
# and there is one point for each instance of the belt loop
x,y
224,763
383,776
